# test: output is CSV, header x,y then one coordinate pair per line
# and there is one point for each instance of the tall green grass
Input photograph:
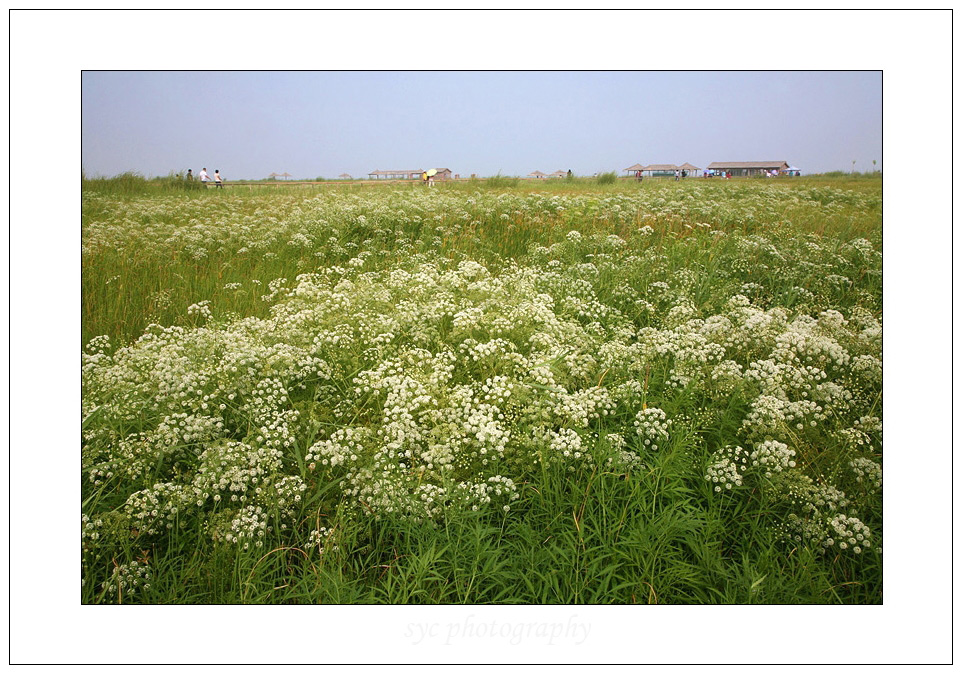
x,y
125,289
134,184
649,537
655,534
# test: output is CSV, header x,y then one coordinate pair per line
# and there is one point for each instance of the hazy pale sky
x,y
249,124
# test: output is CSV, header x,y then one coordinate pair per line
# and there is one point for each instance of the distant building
x,y
661,169
558,174
345,176
397,174
409,174
537,175
747,168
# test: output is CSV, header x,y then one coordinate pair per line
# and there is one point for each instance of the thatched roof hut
x,y
536,174
661,167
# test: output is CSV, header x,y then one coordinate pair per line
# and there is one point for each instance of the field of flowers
x,y
577,393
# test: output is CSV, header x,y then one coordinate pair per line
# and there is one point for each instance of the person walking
x,y
203,177
190,175
217,179
677,174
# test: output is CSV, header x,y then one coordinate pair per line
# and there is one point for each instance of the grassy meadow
x,y
571,391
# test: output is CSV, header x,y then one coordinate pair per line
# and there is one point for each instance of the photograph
x,y
493,357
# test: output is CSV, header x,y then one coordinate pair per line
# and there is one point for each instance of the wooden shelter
x,y
689,167
396,174
661,169
537,175
442,174
747,168
634,169
345,176
558,174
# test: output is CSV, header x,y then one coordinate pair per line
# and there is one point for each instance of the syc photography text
x,y
514,633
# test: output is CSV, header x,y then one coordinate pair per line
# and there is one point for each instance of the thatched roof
x,y
768,165
559,173
660,167
636,167
536,173
395,173
689,167
346,176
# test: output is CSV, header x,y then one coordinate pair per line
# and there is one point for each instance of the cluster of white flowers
x,y
417,383
867,473
231,471
496,488
623,458
566,444
867,367
839,532
809,344
772,457
89,529
580,408
128,579
652,424
181,428
151,510
849,531
324,539
727,468
201,309
726,376
244,527
344,446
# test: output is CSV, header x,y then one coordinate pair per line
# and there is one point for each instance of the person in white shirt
x,y
203,177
